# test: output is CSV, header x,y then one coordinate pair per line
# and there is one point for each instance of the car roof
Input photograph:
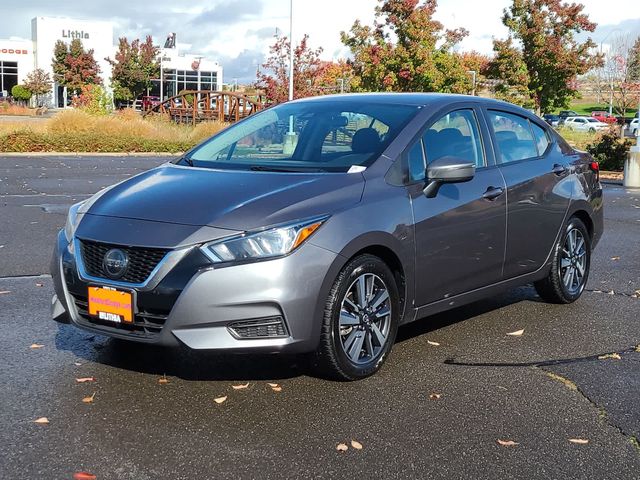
x,y
412,99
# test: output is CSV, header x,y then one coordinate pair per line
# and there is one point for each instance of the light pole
x,y
291,50
610,73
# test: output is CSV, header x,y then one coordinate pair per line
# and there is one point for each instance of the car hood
x,y
226,199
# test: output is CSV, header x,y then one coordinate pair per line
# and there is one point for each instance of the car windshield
x,y
323,136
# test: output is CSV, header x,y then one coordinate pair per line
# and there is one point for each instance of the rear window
x,y
514,137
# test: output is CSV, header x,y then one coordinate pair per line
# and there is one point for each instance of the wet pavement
x,y
556,382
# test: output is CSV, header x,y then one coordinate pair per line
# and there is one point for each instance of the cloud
x,y
229,12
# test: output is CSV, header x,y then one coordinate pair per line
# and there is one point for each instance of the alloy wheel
x,y
365,319
573,261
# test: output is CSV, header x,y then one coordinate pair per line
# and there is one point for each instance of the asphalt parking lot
x,y
434,411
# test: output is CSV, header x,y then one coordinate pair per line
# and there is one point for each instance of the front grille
x,y
142,261
146,324
272,327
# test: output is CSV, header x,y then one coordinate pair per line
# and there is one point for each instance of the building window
x,y
8,77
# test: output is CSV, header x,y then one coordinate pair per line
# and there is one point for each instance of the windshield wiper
x,y
265,168
186,160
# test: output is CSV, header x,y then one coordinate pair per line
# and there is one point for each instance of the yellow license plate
x,y
110,304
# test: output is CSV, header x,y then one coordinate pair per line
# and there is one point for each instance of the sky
x,y
237,33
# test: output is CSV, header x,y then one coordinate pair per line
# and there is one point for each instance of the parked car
x,y
585,124
633,127
604,117
319,226
564,114
551,119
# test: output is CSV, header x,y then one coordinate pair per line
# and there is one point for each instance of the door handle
x,y
559,169
492,193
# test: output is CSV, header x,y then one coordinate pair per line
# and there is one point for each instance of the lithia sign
x,y
81,34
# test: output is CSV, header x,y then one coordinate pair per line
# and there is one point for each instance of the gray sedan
x,y
319,226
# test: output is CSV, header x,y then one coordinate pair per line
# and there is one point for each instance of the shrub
x,y
93,99
610,150
21,93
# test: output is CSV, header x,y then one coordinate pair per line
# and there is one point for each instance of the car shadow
x,y
191,365
450,317
180,362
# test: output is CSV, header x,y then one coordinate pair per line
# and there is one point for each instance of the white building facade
x,y
18,57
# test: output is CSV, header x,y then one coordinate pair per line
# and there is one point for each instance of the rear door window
x,y
513,136
456,134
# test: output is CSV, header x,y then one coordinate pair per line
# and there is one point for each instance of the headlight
x,y
274,242
73,219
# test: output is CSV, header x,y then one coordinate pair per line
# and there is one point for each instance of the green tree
x,y
407,50
510,70
21,93
73,66
134,66
633,61
553,58
38,82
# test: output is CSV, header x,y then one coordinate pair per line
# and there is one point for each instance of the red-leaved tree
x,y
273,76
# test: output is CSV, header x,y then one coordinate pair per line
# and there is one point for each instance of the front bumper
x,y
195,303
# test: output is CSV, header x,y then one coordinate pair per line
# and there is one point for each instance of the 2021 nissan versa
x,y
321,225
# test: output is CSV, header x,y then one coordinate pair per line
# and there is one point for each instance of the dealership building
x,y
18,57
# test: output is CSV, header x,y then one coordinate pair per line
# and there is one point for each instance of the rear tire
x,y
360,320
570,266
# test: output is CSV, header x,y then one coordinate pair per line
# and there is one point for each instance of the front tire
x,y
360,320
570,266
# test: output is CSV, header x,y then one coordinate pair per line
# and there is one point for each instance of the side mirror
x,y
447,170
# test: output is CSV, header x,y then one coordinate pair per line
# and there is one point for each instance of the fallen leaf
x,y
89,399
164,380
4,292
637,348
435,396
636,294
611,292
39,284
517,333
84,476
355,444
220,400
507,443
342,447
276,389
610,356
615,259
240,387
85,379
77,364
272,385
579,441
41,420
435,344
36,345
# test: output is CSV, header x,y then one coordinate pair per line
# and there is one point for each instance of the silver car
x,y
320,226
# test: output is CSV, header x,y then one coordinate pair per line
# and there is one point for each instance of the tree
x,y
21,93
134,66
553,58
509,68
38,82
73,67
273,78
633,61
407,50
336,77
618,73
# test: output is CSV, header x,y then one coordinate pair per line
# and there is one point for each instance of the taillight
x,y
595,168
